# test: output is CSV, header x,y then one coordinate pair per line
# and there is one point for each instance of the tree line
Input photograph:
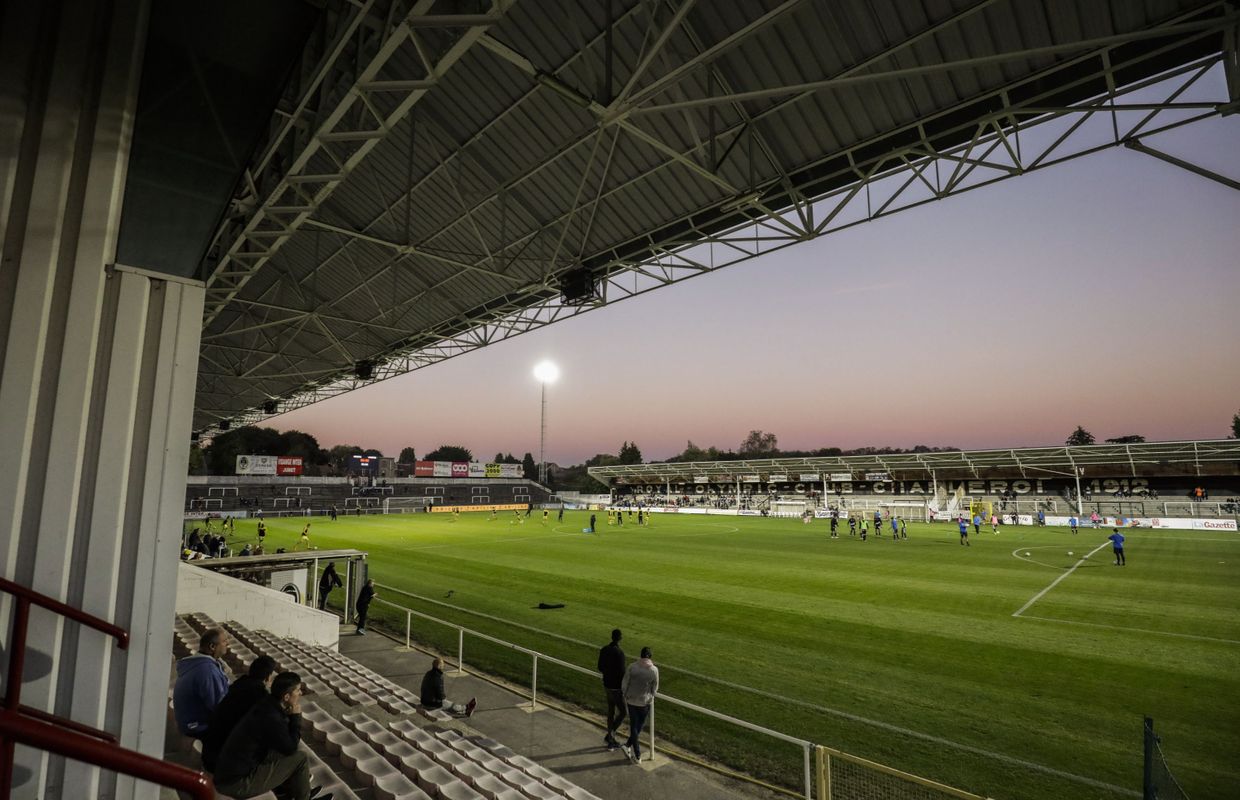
x,y
220,456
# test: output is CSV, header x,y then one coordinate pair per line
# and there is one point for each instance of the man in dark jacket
x,y
328,581
611,665
261,754
363,605
201,684
433,694
243,695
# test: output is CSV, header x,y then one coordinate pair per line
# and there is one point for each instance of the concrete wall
x,y
223,598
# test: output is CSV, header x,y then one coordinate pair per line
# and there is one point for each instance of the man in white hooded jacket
x,y
640,685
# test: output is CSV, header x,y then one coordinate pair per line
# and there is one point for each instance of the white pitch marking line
x,y
1055,582
1134,630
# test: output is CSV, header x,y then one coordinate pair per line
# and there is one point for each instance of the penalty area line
x,y
1055,582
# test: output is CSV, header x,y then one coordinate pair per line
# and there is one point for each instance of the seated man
x,y
201,684
261,754
433,694
243,695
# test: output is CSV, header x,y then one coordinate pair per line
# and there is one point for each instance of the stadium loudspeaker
x,y
364,370
271,407
577,286
225,424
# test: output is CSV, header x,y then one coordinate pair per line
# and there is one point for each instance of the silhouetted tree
x,y
1235,426
629,454
407,456
450,452
1080,436
529,467
1132,438
759,444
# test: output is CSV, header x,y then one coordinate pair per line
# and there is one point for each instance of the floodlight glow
x,y
546,372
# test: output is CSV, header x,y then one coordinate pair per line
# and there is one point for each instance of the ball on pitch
x,y
1070,552
1027,553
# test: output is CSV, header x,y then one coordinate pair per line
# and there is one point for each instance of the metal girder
x,y
1141,147
299,193
1015,138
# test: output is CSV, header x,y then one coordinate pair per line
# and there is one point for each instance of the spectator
x,y
201,684
433,693
261,754
328,581
243,695
611,666
363,605
640,685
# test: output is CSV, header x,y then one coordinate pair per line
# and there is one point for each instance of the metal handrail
x,y
21,724
806,746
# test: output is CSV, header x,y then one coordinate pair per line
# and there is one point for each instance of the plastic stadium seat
x,y
412,733
352,753
337,736
541,791
415,763
431,778
321,775
458,790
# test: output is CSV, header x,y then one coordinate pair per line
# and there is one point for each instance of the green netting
x,y
847,779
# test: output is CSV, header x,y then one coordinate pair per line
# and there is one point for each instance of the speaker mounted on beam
x,y
578,287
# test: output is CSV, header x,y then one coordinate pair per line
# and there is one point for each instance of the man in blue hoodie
x,y
201,684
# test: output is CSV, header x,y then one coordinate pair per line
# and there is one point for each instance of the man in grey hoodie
x,y
640,685
201,684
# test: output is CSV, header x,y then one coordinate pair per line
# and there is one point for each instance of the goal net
x,y
981,508
405,505
789,508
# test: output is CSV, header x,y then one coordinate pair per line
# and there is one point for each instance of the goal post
x,y
981,508
405,505
912,510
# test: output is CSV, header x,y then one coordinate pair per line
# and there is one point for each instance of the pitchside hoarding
x,y
288,465
256,465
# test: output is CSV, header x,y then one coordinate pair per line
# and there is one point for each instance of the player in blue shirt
x,y
878,523
895,528
964,533
1117,547
1072,523
977,523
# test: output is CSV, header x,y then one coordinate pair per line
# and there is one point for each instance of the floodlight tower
x,y
546,372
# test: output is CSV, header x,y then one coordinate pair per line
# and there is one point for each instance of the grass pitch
x,y
906,653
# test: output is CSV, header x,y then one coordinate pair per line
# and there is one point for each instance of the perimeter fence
x,y
816,772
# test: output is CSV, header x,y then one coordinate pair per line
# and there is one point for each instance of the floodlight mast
x,y
546,372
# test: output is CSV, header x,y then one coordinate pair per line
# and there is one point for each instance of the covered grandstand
x,y
212,213
1152,478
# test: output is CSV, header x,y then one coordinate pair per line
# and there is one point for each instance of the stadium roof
x,y
1028,462
432,180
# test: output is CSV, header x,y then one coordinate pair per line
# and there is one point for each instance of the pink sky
x,y
1103,292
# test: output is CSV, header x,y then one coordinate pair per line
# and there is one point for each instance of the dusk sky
x,y
1104,292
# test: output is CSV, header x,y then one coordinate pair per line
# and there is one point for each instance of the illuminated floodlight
x,y
546,372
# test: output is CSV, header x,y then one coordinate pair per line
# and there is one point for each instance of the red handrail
x,y
30,726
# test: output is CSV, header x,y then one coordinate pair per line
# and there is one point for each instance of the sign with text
x,y
423,469
256,465
841,477
877,476
288,465
808,476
